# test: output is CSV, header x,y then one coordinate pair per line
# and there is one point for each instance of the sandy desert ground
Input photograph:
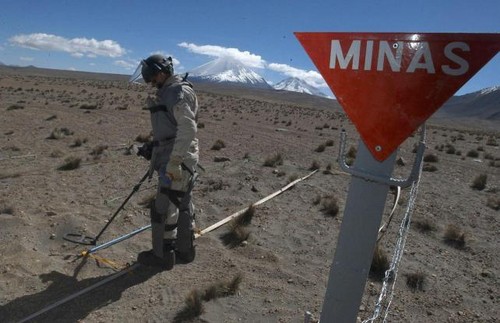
x,y
49,117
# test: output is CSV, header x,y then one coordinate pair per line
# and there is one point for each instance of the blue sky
x,y
112,36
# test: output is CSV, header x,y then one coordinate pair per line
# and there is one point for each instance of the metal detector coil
x,y
80,239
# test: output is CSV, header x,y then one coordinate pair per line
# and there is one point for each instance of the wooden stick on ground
x,y
267,198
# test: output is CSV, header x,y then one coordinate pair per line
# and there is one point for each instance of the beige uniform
x,y
173,119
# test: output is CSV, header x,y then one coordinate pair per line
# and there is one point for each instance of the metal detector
x,y
86,240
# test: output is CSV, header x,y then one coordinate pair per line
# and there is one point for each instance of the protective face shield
x,y
150,67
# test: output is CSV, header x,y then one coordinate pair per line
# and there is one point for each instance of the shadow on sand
x,y
63,286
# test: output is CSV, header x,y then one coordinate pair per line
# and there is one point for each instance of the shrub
x,y
88,106
15,107
320,148
493,202
78,142
218,145
193,307
451,150
431,158
424,225
329,143
235,236
274,160
429,168
351,155
454,237
222,288
58,133
330,205
491,142
379,265
315,165
479,182
6,209
415,281
246,217
472,153
70,163
98,150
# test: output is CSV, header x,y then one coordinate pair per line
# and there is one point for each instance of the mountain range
x,y
231,71
483,104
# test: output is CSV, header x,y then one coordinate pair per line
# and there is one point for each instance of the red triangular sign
x,y
391,83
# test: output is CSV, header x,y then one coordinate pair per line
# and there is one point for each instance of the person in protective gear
x,y
174,155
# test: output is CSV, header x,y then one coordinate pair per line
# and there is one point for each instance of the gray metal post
x,y
358,234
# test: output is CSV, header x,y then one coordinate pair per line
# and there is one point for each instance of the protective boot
x,y
188,253
148,258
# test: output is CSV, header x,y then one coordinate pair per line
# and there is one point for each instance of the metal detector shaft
x,y
134,190
119,239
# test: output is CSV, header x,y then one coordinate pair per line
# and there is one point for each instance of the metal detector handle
x,y
374,178
134,190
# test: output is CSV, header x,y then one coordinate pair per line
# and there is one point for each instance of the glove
x,y
174,169
146,150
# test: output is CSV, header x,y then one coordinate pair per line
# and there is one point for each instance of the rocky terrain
x,y
67,163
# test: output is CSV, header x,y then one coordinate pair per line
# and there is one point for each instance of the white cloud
x,y
129,65
75,46
247,58
26,59
312,77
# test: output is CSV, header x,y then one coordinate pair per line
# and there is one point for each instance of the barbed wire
x,y
387,292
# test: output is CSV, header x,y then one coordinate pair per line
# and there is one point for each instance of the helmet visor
x,y
137,76
144,73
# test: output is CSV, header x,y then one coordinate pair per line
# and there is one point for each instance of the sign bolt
x,y
378,148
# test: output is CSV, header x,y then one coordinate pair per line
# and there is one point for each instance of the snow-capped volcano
x,y
228,70
297,85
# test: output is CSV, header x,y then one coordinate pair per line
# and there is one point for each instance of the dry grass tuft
x,y
246,217
315,165
70,163
274,160
429,168
479,182
454,237
218,145
98,151
380,263
424,225
431,158
9,175
472,153
415,281
6,209
78,142
235,235
351,155
330,205
89,107
193,304
15,107
222,288
321,148
58,133
193,307
493,202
